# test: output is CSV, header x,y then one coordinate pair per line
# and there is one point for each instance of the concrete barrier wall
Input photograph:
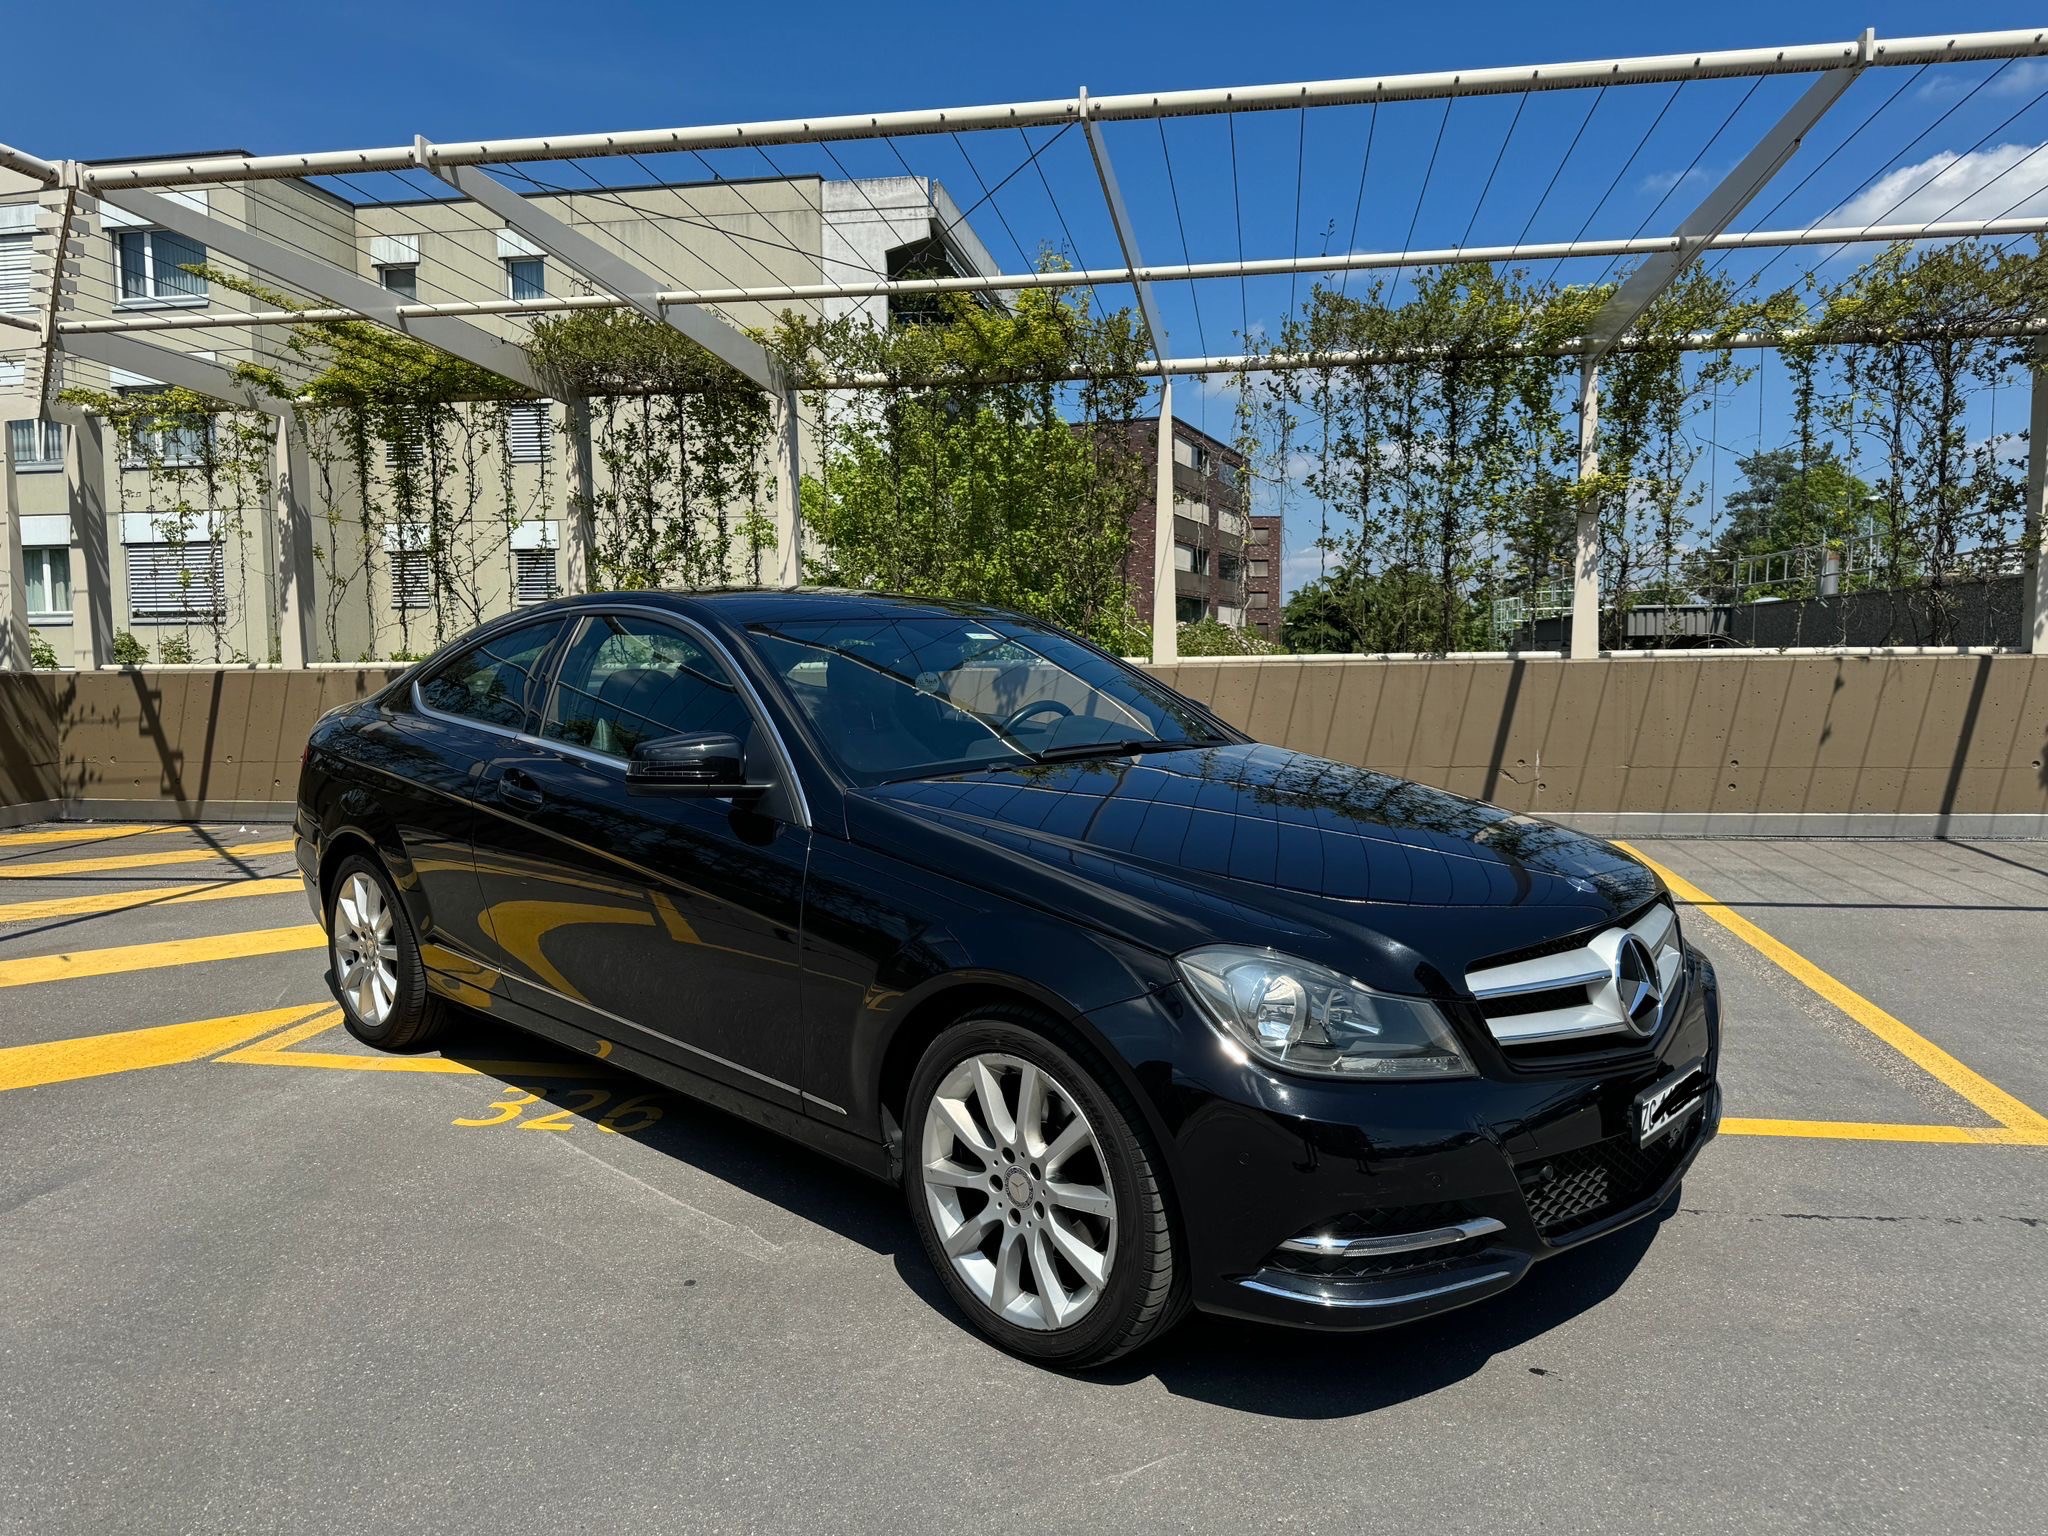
x,y
193,743
1729,745
1846,745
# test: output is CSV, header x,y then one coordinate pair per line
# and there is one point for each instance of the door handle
x,y
516,788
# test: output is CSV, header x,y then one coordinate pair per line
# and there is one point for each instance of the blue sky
x,y
271,77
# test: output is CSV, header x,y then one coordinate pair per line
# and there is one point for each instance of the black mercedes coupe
x,y
1143,1015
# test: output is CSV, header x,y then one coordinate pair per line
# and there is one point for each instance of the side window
x,y
627,680
493,682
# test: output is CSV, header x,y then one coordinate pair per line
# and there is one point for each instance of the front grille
x,y
1575,1189
1565,1000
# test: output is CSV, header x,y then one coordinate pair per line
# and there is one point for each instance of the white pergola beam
x,y
1434,85
169,366
607,269
323,280
1717,210
22,163
1096,277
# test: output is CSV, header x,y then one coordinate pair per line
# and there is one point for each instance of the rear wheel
x,y
1036,1196
378,974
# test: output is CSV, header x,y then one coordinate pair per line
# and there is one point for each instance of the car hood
x,y
1252,843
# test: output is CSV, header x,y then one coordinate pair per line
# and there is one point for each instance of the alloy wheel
x,y
1019,1192
365,952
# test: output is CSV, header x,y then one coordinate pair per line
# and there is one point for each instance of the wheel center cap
x,y
1018,1187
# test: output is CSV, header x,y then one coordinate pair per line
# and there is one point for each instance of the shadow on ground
x,y
1276,1372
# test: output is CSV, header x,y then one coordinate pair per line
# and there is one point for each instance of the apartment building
x,y
107,538
1211,492
1264,549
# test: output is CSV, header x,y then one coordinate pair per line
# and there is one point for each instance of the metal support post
x,y
1586,555
2034,604
297,632
14,626
1165,614
789,502
92,580
580,543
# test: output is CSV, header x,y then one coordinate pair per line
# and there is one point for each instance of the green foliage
x,y
1207,637
968,480
1352,611
41,653
129,651
174,651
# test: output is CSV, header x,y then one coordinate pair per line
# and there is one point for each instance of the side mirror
x,y
706,762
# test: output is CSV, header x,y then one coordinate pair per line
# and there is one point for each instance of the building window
x,y
16,290
173,441
1193,511
526,277
533,575
1188,610
1229,569
1226,472
48,572
1226,614
1255,600
36,445
175,581
526,432
1258,569
403,281
1229,521
1183,453
1183,557
1258,533
152,266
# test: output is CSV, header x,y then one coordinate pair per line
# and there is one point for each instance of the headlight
x,y
1298,1015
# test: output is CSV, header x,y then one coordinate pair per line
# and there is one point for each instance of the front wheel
x,y
1036,1196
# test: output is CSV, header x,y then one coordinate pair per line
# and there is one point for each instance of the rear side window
x,y
492,681
627,680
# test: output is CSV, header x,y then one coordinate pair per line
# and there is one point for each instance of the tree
x,y
1353,612
1782,505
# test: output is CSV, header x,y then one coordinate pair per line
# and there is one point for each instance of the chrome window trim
x,y
801,802
1396,1242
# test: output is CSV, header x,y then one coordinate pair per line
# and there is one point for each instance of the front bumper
x,y
1351,1206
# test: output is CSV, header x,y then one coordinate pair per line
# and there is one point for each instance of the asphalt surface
x,y
272,1284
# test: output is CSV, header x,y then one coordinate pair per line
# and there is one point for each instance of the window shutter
x,y
14,272
533,575
412,579
175,581
526,432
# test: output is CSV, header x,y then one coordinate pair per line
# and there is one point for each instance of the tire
x,y
411,1017
1117,1274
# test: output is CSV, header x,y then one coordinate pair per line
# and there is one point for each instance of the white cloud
x,y
2015,80
1298,567
1662,182
1981,185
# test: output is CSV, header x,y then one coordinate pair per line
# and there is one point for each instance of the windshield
x,y
904,698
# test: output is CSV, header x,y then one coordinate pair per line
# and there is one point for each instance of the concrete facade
x,y
1265,551
85,512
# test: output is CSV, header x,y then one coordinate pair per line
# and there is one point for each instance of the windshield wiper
x,y
1122,748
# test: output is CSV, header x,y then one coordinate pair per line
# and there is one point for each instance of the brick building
x,y
1210,493
1264,547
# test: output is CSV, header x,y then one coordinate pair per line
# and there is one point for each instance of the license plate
x,y
1666,1102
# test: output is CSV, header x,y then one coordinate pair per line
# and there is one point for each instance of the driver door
x,y
665,920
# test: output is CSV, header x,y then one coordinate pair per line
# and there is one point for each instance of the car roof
x,y
757,605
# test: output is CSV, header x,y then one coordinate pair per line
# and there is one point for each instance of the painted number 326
x,y
624,1118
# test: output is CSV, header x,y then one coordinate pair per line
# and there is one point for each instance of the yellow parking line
x,y
83,833
155,896
1860,1130
277,1052
32,969
108,863
2027,1126
59,1061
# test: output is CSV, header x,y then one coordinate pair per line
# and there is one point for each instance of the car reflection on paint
x,y
1143,1016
